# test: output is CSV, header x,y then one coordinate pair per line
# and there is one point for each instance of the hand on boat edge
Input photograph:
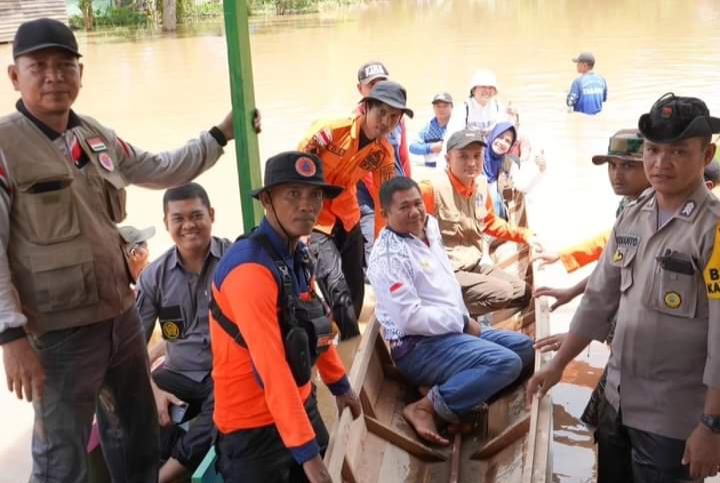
x,y
550,343
541,383
350,400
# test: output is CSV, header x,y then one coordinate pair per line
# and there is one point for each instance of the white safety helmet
x,y
483,77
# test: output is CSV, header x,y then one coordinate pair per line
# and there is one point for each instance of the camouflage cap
x,y
625,145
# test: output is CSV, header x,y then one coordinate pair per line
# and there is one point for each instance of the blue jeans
x,y
465,371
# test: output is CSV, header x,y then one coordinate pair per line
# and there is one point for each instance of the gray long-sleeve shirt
x,y
166,290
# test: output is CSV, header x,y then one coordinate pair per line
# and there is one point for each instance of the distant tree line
x,y
143,13
169,13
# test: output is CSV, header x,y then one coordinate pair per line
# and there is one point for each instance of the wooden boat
x,y
510,442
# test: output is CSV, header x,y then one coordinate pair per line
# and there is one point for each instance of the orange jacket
x,y
491,223
585,252
337,143
254,386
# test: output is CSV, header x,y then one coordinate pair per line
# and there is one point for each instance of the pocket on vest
x,y
115,199
65,279
52,216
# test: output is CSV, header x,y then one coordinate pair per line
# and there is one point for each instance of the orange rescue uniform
x,y
585,252
344,164
254,386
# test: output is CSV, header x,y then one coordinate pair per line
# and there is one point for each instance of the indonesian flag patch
x,y
396,286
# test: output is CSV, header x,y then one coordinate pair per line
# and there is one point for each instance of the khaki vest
x,y
461,221
65,252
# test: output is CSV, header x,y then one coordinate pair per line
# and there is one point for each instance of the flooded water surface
x,y
159,90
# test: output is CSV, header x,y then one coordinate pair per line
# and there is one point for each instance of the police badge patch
x,y
672,300
170,329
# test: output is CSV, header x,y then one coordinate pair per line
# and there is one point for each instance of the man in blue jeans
x,y
433,340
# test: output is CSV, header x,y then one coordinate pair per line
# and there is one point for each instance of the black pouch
x,y
297,351
312,316
172,322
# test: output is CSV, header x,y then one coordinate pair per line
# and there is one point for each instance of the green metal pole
x,y
237,33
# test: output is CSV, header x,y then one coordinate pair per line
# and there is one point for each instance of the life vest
x,y
304,322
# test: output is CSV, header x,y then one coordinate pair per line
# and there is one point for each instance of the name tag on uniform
x,y
172,322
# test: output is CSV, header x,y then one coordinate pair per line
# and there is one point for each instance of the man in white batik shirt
x,y
433,340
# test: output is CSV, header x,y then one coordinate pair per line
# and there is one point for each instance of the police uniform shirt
x,y
664,284
178,300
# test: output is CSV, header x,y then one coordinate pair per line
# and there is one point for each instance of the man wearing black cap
x,y
351,148
73,332
370,74
268,328
589,91
661,273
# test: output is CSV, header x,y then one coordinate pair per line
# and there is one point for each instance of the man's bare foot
x,y
421,417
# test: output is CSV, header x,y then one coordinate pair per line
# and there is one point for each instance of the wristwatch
x,y
712,422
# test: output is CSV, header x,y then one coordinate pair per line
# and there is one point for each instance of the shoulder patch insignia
x,y
170,329
711,274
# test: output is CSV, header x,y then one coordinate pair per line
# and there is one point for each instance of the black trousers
x,y
628,455
259,455
339,273
188,447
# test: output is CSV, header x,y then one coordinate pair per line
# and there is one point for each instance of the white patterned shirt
x,y
416,289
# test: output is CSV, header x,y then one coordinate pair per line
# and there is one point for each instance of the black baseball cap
x,y
465,138
372,70
296,167
44,33
390,93
674,118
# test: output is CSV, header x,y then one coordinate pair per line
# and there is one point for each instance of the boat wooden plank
x,y
398,439
348,473
455,461
510,443
540,435
511,434
337,448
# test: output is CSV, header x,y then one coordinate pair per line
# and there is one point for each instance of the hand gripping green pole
x,y
237,33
